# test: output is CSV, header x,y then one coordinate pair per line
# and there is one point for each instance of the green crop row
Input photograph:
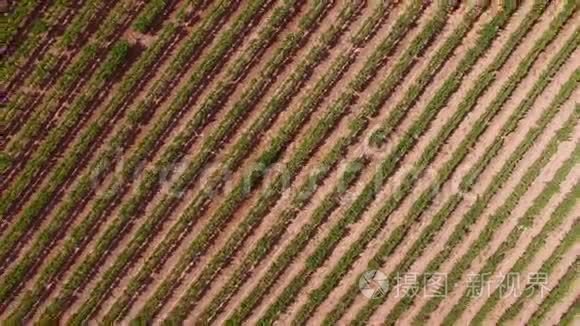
x,y
63,87
410,97
484,80
547,268
227,127
36,36
571,315
229,40
564,286
74,33
258,212
539,240
392,203
399,112
116,58
369,193
12,22
432,28
537,89
358,124
419,206
511,241
62,172
273,192
500,178
331,201
511,84
106,161
355,128
112,63
460,231
240,192
372,24
524,106
265,244
241,149
153,10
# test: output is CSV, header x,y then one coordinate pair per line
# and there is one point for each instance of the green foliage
x,y
492,150
502,177
104,163
68,78
547,268
150,14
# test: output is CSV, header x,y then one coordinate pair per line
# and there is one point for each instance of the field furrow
x,y
196,162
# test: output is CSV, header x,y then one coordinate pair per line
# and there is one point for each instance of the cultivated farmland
x,y
313,162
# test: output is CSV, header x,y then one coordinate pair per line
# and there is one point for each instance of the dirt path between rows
x,y
531,304
317,157
539,107
176,213
180,125
141,135
445,71
461,131
492,205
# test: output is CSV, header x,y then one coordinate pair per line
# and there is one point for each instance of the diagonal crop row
x,y
142,192
511,241
32,212
227,127
511,201
387,167
135,117
21,147
228,41
64,170
548,266
153,12
265,244
252,299
483,81
318,295
40,33
303,197
261,210
399,233
410,97
279,100
562,288
307,232
274,190
571,315
100,80
356,127
475,211
452,203
501,178
18,17
37,120
557,219
544,79
434,26
462,228
278,144
66,45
